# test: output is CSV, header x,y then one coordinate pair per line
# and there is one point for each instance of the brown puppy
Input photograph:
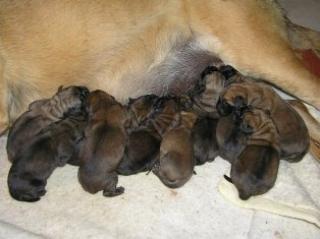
x,y
206,93
41,114
294,137
103,146
52,147
143,143
251,144
205,147
175,165
204,98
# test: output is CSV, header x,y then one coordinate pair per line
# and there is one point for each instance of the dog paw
x,y
118,191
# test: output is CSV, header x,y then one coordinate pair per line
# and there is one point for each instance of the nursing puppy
x,y
206,93
143,143
294,137
175,165
251,144
173,41
103,146
53,147
41,114
204,98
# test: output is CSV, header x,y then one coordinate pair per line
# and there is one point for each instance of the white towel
x,y
148,209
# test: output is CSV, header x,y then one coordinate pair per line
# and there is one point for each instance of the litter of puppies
x,y
226,114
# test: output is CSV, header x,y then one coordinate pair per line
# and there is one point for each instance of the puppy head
x,y
260,127
172,170
68,100
24,187
254,172
206,93
141,107
165,112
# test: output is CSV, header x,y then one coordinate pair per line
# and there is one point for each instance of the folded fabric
x,y
295,193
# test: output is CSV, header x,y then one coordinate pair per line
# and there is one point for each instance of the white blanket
x,y
148,209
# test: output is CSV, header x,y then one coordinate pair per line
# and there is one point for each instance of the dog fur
x,y
250,142
176,162
40,115
294,136
146,46
103,146
51,148
143,143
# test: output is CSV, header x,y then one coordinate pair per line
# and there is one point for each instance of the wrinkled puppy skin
x,y
251,144
51,148
294,137
175,165
143,143
103,146
205,97
206,92
42,113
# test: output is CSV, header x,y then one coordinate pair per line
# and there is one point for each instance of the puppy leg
x,y
111,189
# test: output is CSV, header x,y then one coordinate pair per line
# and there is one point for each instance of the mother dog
x,y
130,48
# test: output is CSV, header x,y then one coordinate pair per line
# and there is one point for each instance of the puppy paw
x,y
118,191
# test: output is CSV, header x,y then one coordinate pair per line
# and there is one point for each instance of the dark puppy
x,y
143,143
294,137
251,144
205,147
204,98
175,165
40,114
104,144
206,92
52,147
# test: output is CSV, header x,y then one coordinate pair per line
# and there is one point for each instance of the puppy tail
x,y
312,124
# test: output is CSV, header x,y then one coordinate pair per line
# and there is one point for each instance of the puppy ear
x,y
60,88
254,172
